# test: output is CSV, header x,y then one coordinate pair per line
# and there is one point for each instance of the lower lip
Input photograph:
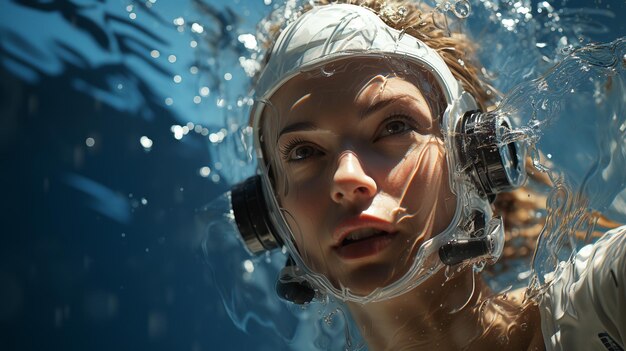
x,y
365,248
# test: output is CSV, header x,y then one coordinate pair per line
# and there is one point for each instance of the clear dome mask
x,y
356,134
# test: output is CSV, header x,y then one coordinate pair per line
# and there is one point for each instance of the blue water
x,y
108,149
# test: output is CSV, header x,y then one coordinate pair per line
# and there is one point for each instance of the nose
x,y
350,182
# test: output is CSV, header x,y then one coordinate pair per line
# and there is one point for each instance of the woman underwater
x,y
378,174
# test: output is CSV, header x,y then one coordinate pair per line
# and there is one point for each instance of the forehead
x,y
352,84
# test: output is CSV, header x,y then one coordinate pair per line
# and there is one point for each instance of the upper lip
x,y
363,221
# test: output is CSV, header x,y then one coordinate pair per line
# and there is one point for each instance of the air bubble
x,y
462,9
204,172
402,11
327,73
145,142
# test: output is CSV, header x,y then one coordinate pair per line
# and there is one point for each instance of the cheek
x,y
421,171
305,206
306,213
424,180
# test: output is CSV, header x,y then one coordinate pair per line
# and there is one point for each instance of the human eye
x,y
298,150
395,125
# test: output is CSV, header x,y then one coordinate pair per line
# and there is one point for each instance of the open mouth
x,y
364,242
362,234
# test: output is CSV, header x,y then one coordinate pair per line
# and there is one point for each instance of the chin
x,y
366,278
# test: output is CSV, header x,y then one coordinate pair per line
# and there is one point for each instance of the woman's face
x,y
360,171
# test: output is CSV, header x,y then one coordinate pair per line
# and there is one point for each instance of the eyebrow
x,y
366,112
379,105
300,126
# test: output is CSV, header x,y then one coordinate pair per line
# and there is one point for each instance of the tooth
x,y
361,234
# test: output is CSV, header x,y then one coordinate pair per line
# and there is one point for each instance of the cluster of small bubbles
x,y
328,319
392,13
146,143
90,142
132,15
197,28
248,40
178,132
179,21
217,137
250,66
509,23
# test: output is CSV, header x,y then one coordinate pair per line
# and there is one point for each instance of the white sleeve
x,y
585,306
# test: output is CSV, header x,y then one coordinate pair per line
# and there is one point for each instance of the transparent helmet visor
x,y
354,128
358,167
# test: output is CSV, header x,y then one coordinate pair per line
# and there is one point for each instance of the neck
x,y
452,314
